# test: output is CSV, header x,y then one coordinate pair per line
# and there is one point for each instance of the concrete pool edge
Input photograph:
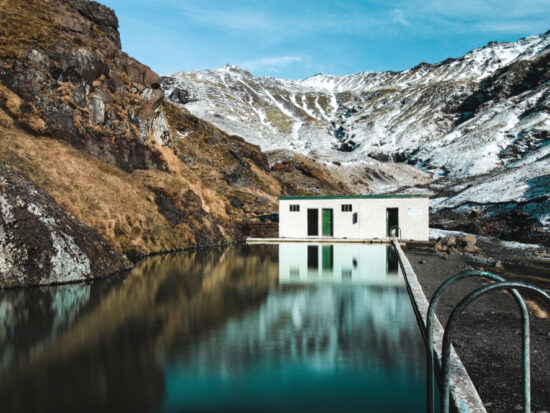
x,y
322,240
463,392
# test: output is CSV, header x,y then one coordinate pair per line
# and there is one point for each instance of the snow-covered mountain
x,y
484,117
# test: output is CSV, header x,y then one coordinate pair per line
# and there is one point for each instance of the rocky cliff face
x,y
63,59
40,243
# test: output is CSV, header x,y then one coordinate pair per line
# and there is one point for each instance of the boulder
x,y
41,243
138,72
96,108
277,166
102,16
238,176
440,247
468,243
182,96
262,200
448,241
235,202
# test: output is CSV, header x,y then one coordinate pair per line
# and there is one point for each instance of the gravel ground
x,y
488,335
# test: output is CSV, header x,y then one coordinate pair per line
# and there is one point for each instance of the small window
x,y
294,208
354,218
346,208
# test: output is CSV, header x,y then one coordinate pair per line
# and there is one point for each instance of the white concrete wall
x,y
413,217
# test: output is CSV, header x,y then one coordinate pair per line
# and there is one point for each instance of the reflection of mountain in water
x,y
324,328
123,344
30,318
326,339
103,352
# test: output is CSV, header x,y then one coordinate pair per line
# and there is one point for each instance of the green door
x,y
327,222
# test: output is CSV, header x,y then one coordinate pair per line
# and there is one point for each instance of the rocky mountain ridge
x,y
373,114
475,129
63,60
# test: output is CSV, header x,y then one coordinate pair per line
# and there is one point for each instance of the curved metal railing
x,y
429,327
397,231
449,329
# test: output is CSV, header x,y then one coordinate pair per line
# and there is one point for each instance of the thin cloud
x,y
347,18
273,63
521,26
518,26
270,38
372,18
238,19
510,9
399,17
480,16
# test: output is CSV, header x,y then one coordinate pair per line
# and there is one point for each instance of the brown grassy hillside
x,y
143,210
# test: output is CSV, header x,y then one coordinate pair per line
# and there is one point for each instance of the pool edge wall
x,y
464,396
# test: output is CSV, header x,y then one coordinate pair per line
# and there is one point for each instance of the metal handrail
x,y
398,232
449,328
429,327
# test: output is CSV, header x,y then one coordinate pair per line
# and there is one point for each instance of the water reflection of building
x,y
326,328
363,263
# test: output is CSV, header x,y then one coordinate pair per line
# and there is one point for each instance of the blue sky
x,y
299,38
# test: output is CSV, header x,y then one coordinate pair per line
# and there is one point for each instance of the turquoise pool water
x,y
274,328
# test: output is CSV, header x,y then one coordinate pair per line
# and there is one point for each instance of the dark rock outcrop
x,y
104,17
181,96
183,182
238,176
63,59
510,81
40,243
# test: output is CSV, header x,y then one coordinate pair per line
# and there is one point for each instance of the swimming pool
x,y
282,328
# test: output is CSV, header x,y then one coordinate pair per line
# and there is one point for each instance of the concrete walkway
x,y
320,240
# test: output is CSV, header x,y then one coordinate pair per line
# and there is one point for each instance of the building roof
x,y
381,196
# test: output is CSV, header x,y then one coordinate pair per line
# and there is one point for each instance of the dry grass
x,y
279,121
29,22
209,151
23,22
5,120
20,111
35,123
10,101
121,206
118,205
536,309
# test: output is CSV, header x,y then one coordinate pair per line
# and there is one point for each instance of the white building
x,y
354,217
